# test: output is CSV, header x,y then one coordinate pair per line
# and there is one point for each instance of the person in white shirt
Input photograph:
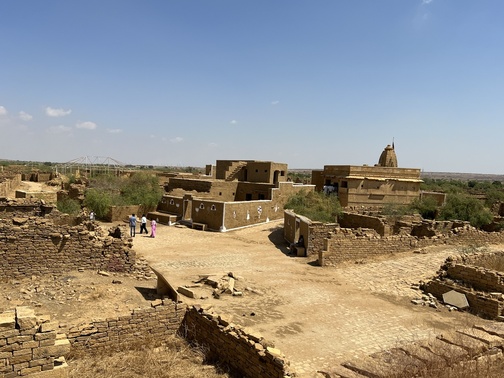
x,y
143,224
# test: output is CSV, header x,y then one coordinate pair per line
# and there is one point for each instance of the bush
x,y
466,208
396,210
69,206
426,207
315,205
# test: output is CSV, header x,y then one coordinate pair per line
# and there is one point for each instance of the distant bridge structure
x,y
91,165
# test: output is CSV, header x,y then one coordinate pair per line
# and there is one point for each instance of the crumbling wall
x,y
45,196
246,354
34,245
8,183
482,304
29,344
159,321
351,245
483,287
353,220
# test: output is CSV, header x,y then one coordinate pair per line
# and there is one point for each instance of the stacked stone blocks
x,y
482,287
159,321
245,353
35,246
28,344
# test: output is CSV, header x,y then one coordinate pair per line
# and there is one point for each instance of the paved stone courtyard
x,y
318,317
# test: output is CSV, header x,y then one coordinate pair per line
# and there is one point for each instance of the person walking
x,y
143,224
132,223
153,228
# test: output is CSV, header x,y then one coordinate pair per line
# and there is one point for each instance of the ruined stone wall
x,y
51,197
350,245
29,344
35,245
353,220
317,240
480,278
483,287
159,321
246,354
8,183
479,303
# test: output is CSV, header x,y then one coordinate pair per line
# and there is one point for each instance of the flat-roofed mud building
x,y
233,194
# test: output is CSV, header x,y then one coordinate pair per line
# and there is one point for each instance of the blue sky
x,y
307,83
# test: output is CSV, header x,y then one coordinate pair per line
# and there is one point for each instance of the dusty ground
x,y
317,316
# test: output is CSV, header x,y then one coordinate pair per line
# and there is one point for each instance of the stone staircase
x,y
234,169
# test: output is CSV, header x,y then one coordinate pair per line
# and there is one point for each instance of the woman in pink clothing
x,y
153,228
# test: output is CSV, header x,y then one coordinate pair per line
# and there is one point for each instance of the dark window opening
x,y
248,197
344,184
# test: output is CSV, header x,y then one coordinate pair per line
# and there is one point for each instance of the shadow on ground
x,y
148,293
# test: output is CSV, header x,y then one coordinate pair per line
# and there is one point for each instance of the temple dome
x,y
388,157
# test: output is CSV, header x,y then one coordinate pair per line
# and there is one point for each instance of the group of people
x,y
143,226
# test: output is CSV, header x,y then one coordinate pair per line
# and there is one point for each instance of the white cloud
x,y
114,131
233,122
212,144
276,102
427,1
177,140
25,116
86,125
51,112
3,111
58,129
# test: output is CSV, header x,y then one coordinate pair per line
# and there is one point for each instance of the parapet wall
x,y
246,354
29,344
36,245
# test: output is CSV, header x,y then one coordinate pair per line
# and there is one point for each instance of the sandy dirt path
x,y
317,316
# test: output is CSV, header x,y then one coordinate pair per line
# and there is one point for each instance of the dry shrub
x,y
174,359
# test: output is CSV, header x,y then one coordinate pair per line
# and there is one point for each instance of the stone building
x,y
234,194
370,186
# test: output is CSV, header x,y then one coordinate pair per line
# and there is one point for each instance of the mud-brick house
x,y
370,186
234,194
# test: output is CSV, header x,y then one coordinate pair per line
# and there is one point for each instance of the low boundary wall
x,y
162,319
246,354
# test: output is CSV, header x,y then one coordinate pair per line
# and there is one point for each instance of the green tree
x,y
466,208
98,201
315,205
142,189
